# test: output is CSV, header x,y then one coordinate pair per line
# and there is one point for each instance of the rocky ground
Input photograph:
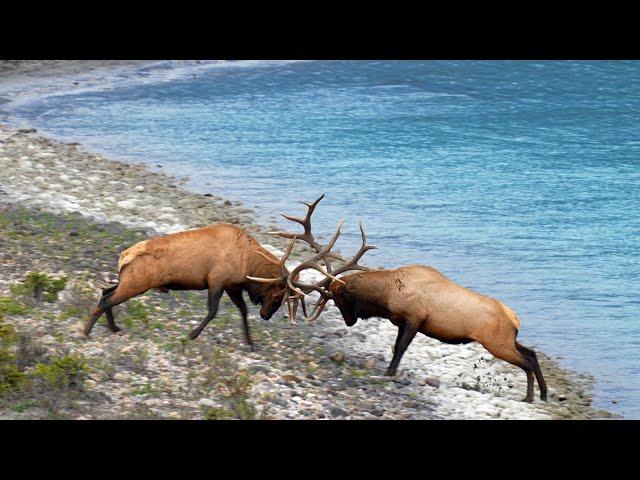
x,y
68,213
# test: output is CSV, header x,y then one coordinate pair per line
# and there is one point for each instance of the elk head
x,y
273,290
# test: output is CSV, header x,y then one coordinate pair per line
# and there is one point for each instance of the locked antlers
x,y
324,254
297,290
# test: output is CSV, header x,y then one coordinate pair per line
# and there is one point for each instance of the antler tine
x,y
288,252
364,248
272,260
353,263
312,206
307,236
264,280
318,309
293,308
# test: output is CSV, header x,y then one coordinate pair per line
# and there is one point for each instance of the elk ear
x,y
338,288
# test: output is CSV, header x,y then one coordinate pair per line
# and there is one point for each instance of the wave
x,y
20,91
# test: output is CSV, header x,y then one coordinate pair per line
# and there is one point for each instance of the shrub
x,y
11,306
64,373
11,375
40,286
218,413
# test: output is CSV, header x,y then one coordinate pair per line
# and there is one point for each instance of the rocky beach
x,y
67,213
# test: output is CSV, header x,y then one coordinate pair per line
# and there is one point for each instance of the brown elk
x,y
417,298
217,258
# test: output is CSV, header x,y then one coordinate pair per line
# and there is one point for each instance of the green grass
x,y
146,389
136,314
358,373
12,306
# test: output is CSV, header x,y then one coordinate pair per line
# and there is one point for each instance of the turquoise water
x,y
520,180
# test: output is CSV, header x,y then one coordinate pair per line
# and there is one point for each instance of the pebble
x,y
337,357
402,381
139,188
338,412
127,204
432,382
205,402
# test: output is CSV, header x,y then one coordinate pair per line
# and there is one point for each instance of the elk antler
x,y
290,299
307,236
297,290
322,286
280,262
353,263
298,287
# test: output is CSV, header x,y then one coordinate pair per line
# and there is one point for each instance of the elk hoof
x,y
115,329
543,396
390,373
194,334
527,399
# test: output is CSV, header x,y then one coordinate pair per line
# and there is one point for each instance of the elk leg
x,y
533,359
510,353
104,306
214,301
236,298
399,337
111,320
405,336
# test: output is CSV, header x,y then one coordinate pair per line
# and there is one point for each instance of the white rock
x,y
128,204
139,188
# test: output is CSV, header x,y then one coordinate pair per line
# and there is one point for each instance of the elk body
x,y
217,258
416,299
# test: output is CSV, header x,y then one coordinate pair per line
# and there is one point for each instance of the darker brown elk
x,y
416,299
217,258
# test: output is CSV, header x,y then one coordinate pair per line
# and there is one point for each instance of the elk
x,y
415,298
217,258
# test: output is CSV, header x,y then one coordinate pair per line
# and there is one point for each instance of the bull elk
x,y
416,298
217,258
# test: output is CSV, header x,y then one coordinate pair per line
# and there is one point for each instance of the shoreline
x,y
440,381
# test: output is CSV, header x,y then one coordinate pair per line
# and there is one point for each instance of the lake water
x,y
520,180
